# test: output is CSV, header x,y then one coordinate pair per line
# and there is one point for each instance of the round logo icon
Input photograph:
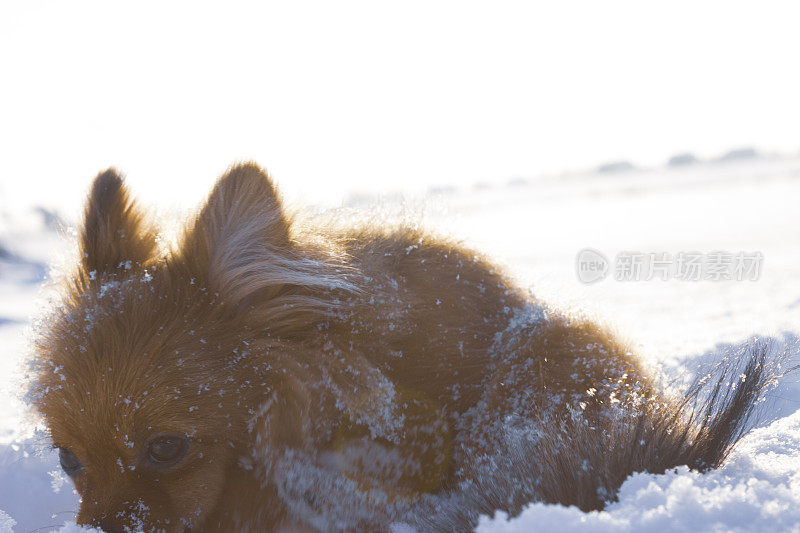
x,y
591,265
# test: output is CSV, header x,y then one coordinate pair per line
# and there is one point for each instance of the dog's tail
x,y
698,430
571,462
702,428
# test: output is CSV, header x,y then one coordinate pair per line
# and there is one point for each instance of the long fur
x,y
342,378
570,462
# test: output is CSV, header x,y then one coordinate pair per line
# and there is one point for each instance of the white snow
x,y
536,230
758,489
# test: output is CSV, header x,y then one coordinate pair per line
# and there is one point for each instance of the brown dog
x,y
265,375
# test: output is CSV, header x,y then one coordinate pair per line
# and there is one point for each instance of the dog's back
x,y
523,402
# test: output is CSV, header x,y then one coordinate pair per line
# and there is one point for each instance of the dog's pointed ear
x,y
240,235
115,232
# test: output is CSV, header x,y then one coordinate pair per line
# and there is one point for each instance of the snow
x,y
765,467
536,230
757,489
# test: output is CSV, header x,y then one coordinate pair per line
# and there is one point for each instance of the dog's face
x,y
147,374
143,405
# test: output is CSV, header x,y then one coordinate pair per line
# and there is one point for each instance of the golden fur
x,y
342,380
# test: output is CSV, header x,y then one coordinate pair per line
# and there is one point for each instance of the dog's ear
x,y
239,241
115,232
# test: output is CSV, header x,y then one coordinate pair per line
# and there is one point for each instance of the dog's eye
x,y
71,465
167,450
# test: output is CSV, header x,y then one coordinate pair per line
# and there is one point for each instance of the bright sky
x,y
334,97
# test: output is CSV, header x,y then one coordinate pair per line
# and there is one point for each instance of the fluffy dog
x,y
263,375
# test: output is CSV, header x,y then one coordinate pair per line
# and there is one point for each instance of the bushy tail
x,y
699,430
705,426
572,462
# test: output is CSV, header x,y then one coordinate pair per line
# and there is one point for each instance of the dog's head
x,y
150,369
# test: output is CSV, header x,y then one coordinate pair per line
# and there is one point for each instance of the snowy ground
x,y
536,230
